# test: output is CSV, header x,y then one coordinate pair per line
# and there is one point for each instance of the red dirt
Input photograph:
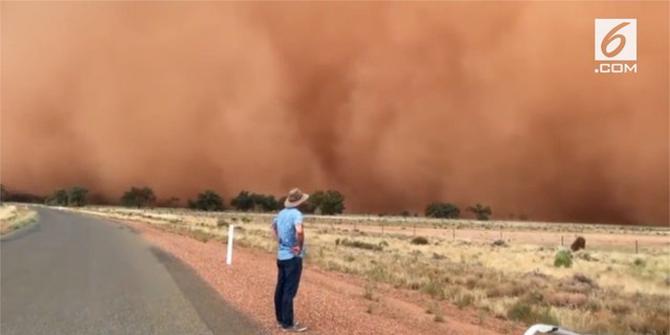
x,y
327,302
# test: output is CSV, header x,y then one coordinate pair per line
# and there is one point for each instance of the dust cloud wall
x,y
394,104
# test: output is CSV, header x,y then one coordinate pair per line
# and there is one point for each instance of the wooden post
x,y
636,248
414,232
501,233
561,240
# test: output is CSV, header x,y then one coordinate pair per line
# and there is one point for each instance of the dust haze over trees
x,y
246,201
207,201
443,210
480,211
328,202
138,197
392,104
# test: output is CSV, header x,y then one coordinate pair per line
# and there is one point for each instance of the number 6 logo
x,y
615,39
610,37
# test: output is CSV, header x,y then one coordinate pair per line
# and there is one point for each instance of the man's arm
x,y
274,229
300,238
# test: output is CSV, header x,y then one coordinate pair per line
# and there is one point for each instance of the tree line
x,y
327,202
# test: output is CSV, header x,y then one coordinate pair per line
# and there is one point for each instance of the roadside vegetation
x,y
138,197
207,201
13,217
600,291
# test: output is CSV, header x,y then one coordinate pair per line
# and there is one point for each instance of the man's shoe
x,y
296,328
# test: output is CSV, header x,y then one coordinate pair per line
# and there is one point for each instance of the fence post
x,y
382,224
501,233
636,248
414,232
561,240
229,252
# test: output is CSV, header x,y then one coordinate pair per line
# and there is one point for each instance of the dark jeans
x,y
288,279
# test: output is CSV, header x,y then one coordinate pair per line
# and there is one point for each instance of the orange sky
x,y
394,104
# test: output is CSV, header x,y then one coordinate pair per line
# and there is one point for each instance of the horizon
x,y
396,105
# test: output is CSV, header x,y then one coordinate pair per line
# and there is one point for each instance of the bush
x,y
76,196
481,212
265,203
563,258
246,201
419,240
58,198
207,201
443,210
325,202
138,197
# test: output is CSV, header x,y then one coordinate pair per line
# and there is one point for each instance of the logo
x,y
616,45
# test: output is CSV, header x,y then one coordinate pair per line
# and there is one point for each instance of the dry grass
x,y
13,217
605,291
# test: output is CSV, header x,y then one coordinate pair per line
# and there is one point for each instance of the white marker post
x,y
229,253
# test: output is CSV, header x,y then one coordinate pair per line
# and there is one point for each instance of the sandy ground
x,y
327,302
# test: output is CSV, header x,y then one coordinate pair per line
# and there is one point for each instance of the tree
x,y
207,201
58,198
76,196
328,202
442,210
481,212
243,201
264,203
246,201
3,193
138,197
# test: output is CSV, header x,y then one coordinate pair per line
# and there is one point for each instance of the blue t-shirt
x,y
285,222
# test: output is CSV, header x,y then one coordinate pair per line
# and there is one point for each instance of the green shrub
x,y
419,240
58,198
138,197
443,210
639,262
246,201
207,201
325,202
481,212
76,196
563,258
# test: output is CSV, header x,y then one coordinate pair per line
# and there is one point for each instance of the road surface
x,y
74,274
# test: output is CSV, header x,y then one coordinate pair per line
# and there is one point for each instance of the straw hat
x,y
295,198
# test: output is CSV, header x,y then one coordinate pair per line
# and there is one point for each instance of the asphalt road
x,y
75,274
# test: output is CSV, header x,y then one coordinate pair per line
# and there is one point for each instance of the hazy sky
x,y
394,104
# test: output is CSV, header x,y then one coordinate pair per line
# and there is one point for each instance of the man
x,y
288,230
